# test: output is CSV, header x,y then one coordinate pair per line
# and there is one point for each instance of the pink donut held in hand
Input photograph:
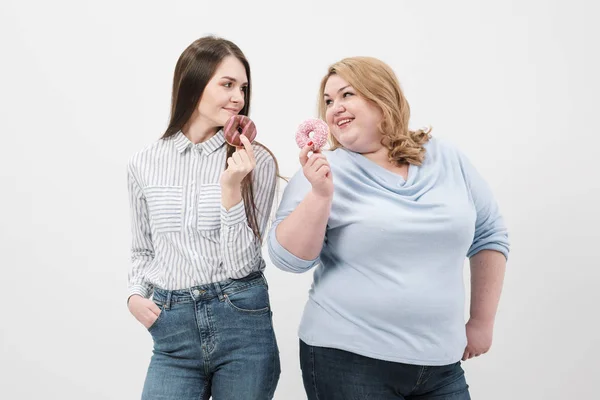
x,y
320,132
239,125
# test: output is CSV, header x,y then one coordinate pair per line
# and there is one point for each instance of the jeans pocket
x,y
252,300
152,327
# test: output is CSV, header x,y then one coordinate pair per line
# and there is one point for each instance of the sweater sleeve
x,y
490,230
293,195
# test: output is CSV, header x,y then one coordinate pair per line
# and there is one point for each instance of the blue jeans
x,y
214,340
331,374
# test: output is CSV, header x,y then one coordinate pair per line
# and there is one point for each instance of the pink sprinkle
x,y
320,133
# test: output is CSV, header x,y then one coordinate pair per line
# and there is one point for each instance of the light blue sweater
x,y
389,278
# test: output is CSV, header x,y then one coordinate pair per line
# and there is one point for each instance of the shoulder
x,y
441,146
266,168
442,149
264,157
262,154
148,153
453,158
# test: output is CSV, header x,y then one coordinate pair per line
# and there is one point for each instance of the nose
x,y
237,98
338,108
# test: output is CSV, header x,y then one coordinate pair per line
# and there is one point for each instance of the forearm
x,y
137,284
241,248
303,231
487,277
230,196
142,246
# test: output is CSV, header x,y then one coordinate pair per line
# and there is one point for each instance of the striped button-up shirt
x,y
181,234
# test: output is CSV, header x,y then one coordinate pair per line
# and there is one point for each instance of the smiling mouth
x,y
344,123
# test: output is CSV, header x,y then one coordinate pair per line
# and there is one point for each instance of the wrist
x,y
325,198
132,296
230,195
231,188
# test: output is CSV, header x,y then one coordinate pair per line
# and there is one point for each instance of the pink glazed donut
x,y
320,132
239,125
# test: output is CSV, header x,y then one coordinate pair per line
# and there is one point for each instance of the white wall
x,y
85,84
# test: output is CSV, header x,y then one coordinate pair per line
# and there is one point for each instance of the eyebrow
x,y
232,79
339,90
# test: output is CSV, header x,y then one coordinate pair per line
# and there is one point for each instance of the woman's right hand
x,y
144,310
317,170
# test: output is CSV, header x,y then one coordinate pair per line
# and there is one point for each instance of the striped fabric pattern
x,y
181,234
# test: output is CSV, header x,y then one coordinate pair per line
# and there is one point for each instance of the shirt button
x,y
196,292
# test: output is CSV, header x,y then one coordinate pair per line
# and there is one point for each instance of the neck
x,y
379,156
197,130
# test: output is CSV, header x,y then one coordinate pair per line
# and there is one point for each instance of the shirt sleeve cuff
x,y
489,246
235,215
141,290
285,260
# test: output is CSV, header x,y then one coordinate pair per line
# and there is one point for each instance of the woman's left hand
x,y
479,338
240,164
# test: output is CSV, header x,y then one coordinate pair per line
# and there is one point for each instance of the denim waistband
x,y
207,291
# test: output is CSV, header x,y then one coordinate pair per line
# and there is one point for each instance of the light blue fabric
x,y
389,279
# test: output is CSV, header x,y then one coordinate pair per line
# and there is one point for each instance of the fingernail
x,y
310,143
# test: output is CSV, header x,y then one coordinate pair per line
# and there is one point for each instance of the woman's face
x,y
352,119
224,94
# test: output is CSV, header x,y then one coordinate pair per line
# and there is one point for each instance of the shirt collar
x,y
182,143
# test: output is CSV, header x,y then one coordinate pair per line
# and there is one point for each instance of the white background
x,y
83,85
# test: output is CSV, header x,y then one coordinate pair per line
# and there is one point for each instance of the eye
x,y
244,90
346,94
328,102
227,84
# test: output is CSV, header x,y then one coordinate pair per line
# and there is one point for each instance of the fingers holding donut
x,y
246,152
311,136
242,161
318,172
304,153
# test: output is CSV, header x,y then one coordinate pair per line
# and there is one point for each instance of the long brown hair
x,y
375,81
195,67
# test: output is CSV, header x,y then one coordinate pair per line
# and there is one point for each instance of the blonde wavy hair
x,y
375,81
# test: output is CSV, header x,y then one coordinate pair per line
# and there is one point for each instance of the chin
x,y
223,118
347,141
